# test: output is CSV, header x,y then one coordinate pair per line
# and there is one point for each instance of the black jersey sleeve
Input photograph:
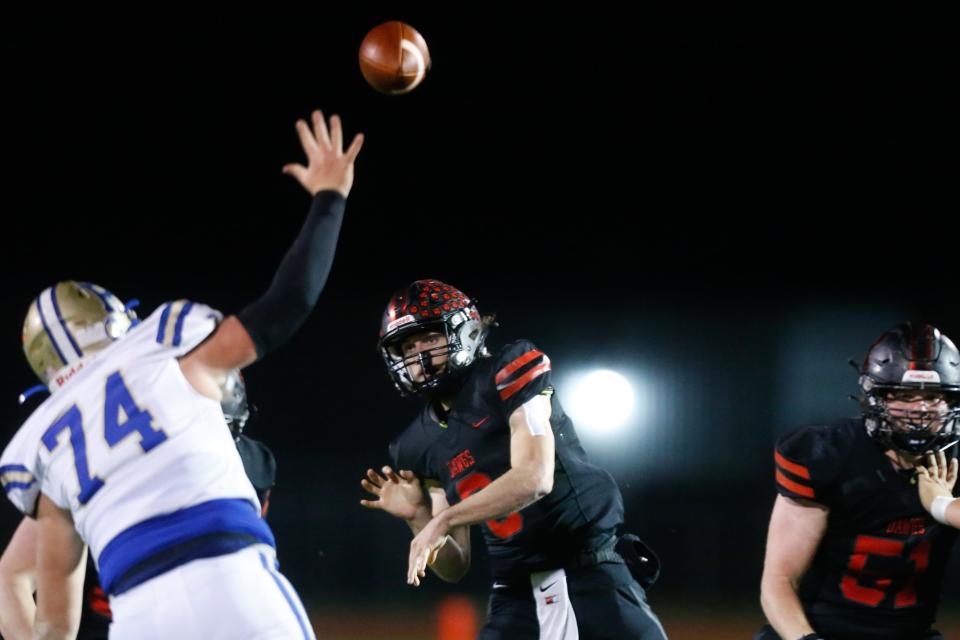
x,y
409,453
806,463
522,372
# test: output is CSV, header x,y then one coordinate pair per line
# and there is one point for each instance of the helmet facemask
x,y
464,333
236,410
930,425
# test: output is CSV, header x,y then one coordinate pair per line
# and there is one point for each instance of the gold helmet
x,y
69,321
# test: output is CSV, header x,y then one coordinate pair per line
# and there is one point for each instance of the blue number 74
x,y
121,417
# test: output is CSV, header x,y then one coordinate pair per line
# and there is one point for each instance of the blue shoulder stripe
x,y
13,467
178,329
10,486
163,322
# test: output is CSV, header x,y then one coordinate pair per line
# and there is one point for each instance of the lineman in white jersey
x,y
130,456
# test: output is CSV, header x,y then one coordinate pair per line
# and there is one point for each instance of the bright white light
x,y
601,402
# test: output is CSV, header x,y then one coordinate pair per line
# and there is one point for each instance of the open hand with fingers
x,y
937,478
425,547
399,494
328,165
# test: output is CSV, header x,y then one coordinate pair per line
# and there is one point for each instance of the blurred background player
x,y
851,551
493,446
130,455
18,563
258,461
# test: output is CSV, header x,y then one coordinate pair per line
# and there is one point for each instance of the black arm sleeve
x,y
278,313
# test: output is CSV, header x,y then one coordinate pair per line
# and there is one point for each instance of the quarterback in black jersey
x,y
852,553
492,446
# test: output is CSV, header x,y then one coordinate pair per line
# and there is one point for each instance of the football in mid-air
x,y
394,58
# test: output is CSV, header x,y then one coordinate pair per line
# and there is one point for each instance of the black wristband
x,y
278,313
811,636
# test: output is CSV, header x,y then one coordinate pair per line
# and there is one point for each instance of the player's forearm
x,y
17,608
517,488
60,574
47,630
453,559
301,276
58,614
452,562
781,605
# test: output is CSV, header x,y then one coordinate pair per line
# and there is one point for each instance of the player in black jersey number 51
x,y
852,553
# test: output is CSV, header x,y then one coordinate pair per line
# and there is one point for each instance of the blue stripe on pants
x,y
283,590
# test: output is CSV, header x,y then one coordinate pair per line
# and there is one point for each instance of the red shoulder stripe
x,y
795,487
796,469
508,390
504,373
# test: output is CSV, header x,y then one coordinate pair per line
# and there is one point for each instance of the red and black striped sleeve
x,y
522,372
803,465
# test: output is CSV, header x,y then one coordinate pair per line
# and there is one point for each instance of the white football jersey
x,y
125,437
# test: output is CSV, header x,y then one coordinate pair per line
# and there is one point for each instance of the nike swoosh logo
x,y
542,589
479,423
497,585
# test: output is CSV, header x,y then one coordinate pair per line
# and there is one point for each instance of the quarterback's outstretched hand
x,y
328,166
399,494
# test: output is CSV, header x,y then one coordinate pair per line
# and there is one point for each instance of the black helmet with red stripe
x,y
431,306
912,361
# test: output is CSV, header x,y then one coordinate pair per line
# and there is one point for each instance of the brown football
x,y
394,58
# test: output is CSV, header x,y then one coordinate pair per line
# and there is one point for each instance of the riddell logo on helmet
x,y
921,376
399,322
62,379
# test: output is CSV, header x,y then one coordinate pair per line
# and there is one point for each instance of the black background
x,y
735,212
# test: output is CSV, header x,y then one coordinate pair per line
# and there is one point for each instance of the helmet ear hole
x,y
393,351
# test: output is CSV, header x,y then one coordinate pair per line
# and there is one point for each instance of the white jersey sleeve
x,y
178,327
20,473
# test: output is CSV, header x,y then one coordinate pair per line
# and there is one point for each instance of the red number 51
x,y
860,585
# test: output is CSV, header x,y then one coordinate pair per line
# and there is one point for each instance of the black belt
x,y
628,549
591,558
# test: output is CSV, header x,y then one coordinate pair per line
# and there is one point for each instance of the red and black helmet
x,y
431,305
912,358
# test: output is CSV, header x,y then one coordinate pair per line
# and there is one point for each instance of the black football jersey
x,y
878,570
470,447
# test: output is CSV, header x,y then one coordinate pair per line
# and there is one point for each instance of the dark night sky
x,y
615,190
